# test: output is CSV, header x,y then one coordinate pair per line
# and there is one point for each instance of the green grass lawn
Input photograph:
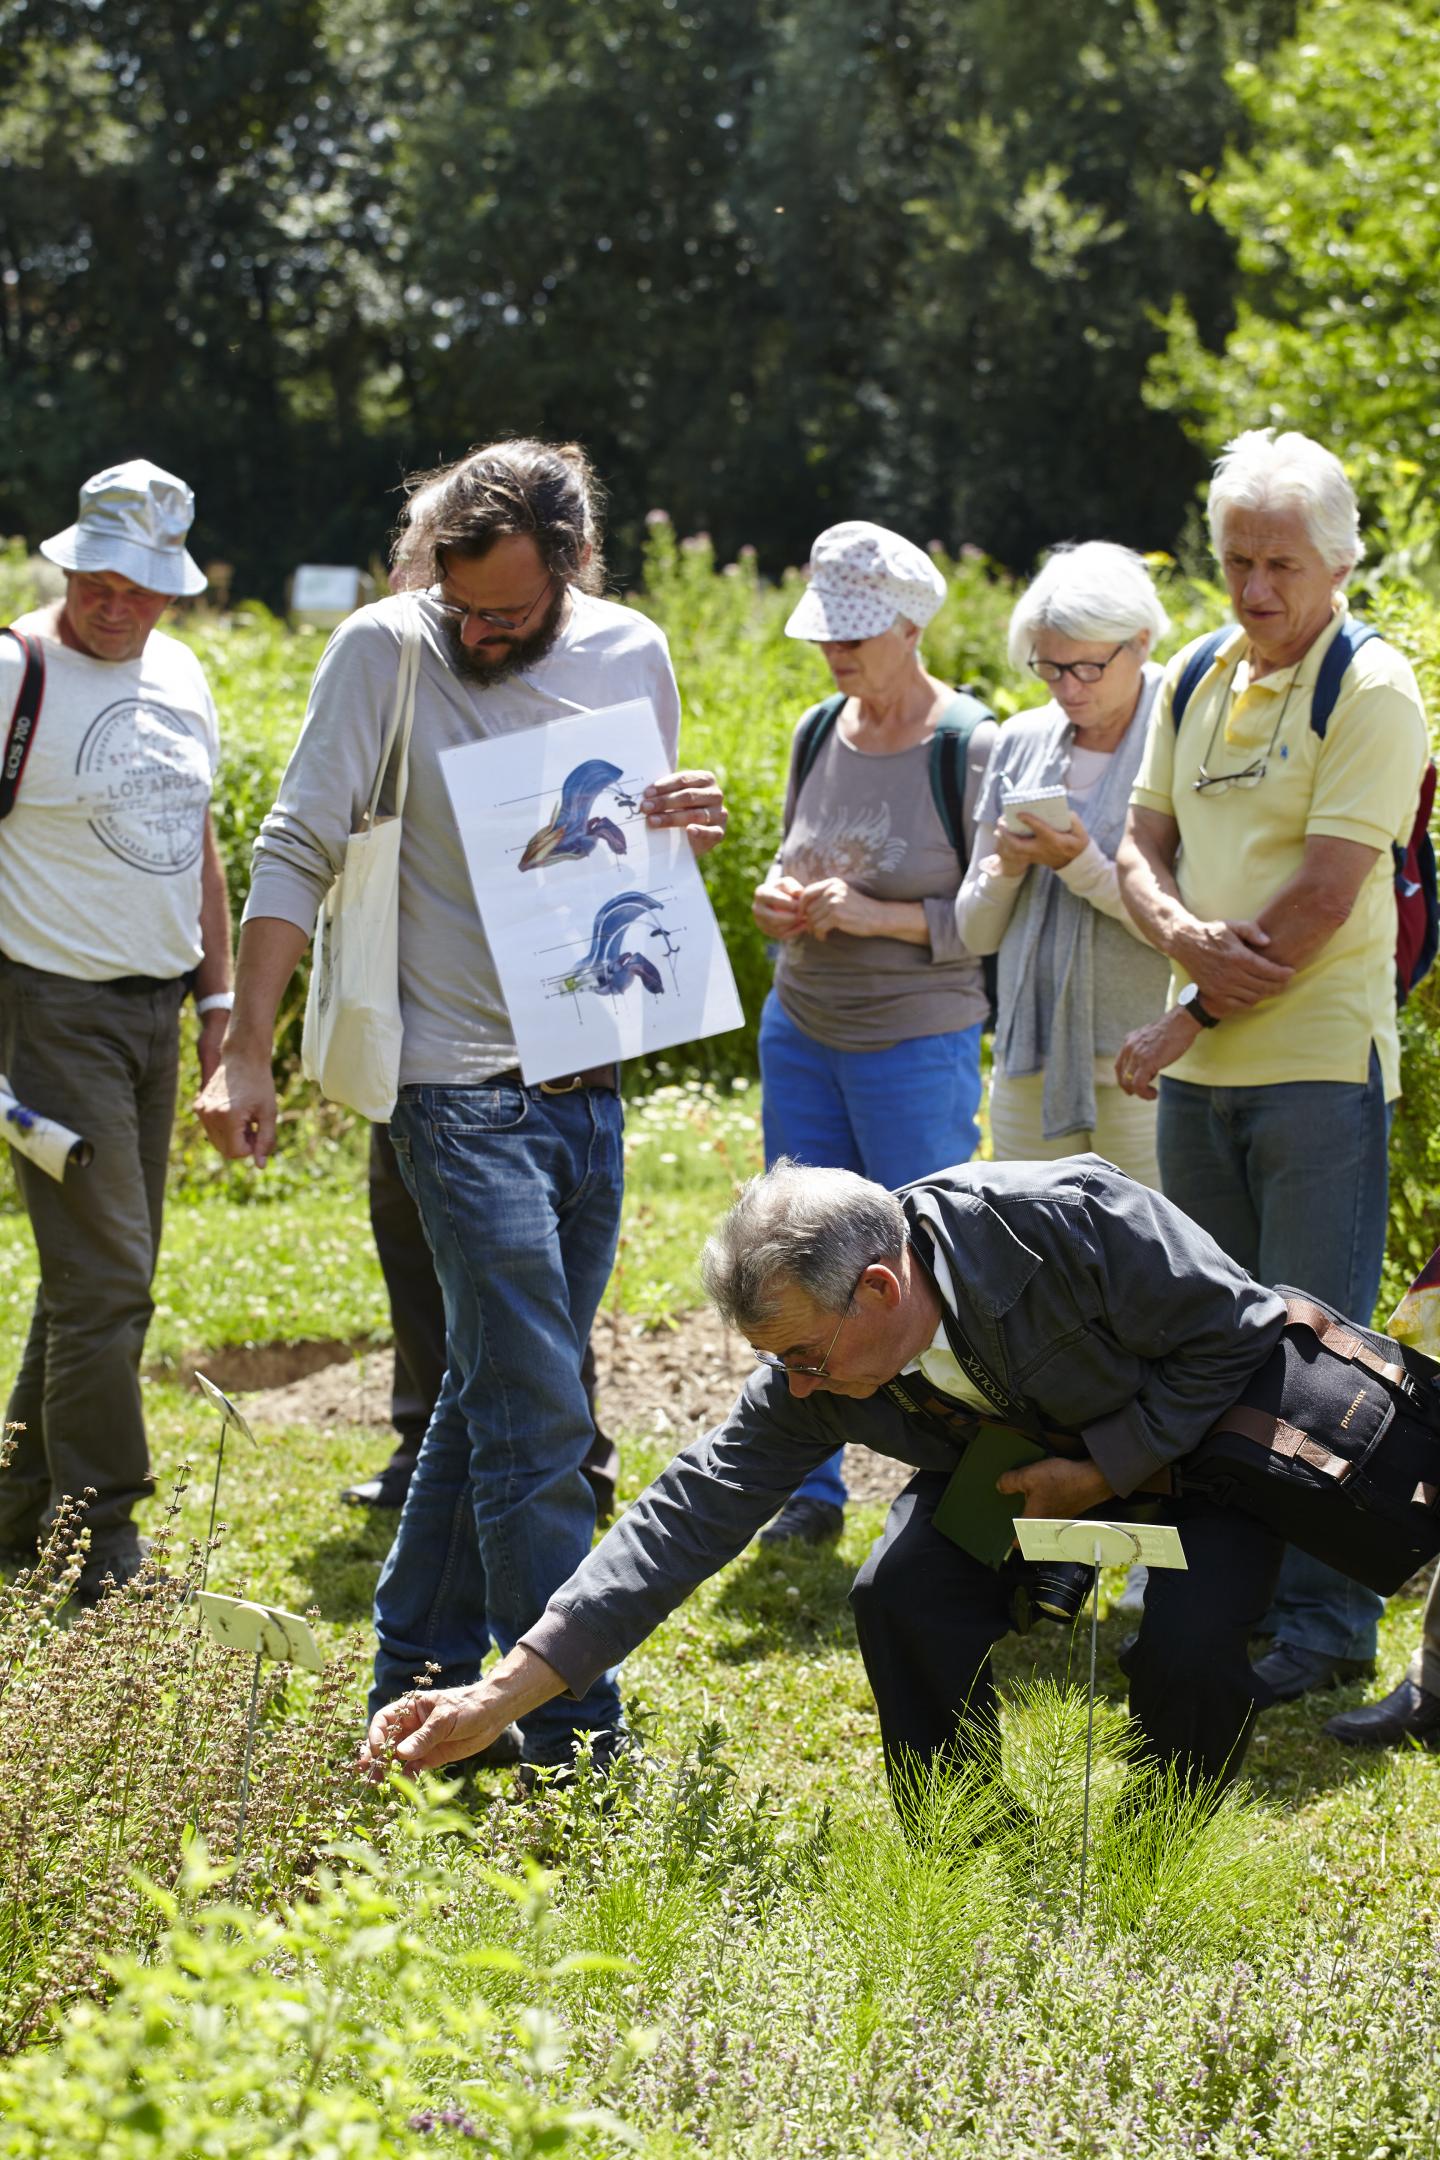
x,y
846,2002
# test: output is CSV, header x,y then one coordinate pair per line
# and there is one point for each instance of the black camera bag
x,y
1335,1444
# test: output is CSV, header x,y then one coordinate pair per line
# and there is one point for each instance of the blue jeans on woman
x,y
519,1193
892,1115
1292,1180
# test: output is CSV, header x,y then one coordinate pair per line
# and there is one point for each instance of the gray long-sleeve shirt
x,y
457,1031
1112,1314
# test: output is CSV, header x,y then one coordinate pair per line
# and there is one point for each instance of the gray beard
x,y
523,652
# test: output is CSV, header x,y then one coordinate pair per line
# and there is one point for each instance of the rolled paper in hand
x,y
53,1147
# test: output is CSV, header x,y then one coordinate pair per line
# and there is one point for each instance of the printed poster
x,y
601,930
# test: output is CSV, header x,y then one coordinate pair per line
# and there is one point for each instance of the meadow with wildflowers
x,y
734,1946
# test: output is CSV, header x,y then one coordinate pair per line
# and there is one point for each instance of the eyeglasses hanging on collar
x,y
1208,783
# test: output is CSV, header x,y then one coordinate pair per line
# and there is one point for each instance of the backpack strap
x,y
810,737
1279,1437
24,718
1342,649
948,747
1196,668
1341,1341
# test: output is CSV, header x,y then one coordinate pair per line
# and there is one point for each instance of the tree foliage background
x,y
1333,205
775,261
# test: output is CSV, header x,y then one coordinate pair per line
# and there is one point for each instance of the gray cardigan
x,y
1073,982
1095,1299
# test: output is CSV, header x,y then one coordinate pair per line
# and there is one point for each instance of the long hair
x,y
546,490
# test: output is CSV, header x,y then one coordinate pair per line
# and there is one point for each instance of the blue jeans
x,y
1292,1180
891,1115
519,1193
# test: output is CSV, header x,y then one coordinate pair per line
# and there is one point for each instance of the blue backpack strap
x,y
1196,668
810,736
1346,642
948,747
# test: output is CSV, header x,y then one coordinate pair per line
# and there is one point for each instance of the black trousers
x,y
927,1615
417,1321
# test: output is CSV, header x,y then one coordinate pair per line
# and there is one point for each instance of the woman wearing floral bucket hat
x,y
870,1038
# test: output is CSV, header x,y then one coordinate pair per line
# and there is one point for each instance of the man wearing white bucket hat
x,y
112,908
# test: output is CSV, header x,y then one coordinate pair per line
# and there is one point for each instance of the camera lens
x,y
1059,1588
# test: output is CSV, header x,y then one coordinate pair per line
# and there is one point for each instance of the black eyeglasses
x,y
1250,775
453,612
822,1370
1086,671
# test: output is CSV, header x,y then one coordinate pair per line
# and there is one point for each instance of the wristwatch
x,y
1189,1002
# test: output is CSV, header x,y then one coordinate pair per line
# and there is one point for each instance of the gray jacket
x,y
1111,1313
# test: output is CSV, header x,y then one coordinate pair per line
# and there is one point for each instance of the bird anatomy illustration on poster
x,y
601,930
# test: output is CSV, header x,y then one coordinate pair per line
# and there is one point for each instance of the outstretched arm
x,y
426,1731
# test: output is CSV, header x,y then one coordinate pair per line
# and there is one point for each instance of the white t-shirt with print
x,y
100,858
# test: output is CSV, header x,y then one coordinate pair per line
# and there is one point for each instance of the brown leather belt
x,y
594,1076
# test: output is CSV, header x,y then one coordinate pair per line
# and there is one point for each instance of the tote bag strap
x,y
402,719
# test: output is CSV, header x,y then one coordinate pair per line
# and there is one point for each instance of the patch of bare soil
x,y
667,1385
244,1368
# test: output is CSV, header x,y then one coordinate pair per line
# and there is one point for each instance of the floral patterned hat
x,y
861,578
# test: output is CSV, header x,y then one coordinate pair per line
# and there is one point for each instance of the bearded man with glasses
x,y
1258,858
518,1188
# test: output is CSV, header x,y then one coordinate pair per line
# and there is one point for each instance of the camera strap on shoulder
x,y
23,720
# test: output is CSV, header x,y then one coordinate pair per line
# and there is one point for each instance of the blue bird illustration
x,y
607,966
572,832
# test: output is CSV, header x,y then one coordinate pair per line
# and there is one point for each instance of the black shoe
x,y
504,1751
1408,1712
387,1489
807,1522
606,1749
1290,1672
105,1572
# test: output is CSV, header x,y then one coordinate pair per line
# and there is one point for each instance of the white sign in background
x,y
601,930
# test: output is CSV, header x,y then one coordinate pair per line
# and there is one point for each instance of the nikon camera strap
x,y
23,720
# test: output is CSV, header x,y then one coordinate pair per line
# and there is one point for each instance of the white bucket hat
x,y
133,519
861,578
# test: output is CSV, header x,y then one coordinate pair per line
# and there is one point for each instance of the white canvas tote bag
x,y
351,1043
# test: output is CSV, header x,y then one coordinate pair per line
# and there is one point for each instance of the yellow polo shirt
x,y
1240,845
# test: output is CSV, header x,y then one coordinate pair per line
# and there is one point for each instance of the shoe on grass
x,y
1289,1672
1408,1712
104,1572
387,1489
607,1745
803,1521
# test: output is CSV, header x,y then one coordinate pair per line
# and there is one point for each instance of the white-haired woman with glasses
x,y
1075,974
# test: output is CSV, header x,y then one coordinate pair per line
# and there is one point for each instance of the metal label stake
x,y
266,1631
229,1416
1100,1544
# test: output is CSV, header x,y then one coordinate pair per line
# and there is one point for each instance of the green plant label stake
x,y
1101,1544
265,1631
229,1416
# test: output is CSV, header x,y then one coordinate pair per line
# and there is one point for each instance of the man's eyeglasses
x,y
1216,783
489,617
1208,783
1086,671
822,1370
